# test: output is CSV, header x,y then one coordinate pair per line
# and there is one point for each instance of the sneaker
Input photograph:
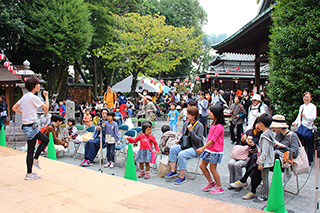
x,y
180,181
36,164
86,163
261,198
141,174
171,175
89,163
32,176
112,165
107,165
238,184
147,176
209,186
249,196
83,162
217,191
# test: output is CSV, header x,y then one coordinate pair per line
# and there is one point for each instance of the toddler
x,y
144,154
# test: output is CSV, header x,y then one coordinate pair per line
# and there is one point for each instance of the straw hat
x,y
279,121
256,97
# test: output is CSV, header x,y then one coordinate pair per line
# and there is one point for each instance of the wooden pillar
x,y
257,71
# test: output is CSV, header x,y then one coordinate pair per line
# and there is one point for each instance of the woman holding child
x,y
194,129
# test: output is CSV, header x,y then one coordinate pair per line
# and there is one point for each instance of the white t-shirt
x,y
310,112
29,107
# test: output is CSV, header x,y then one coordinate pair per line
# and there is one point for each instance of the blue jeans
x,y
30,132
174,128
110,152
182,155
92,147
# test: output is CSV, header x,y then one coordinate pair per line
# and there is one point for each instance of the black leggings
x,y
31,146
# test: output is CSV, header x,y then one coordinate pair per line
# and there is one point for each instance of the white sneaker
x,y
32,176
112,165
238,184
107,165
36,164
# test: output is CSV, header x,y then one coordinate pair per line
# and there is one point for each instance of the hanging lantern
x,y
190,83
25,79
18,76
161,81
169,82
2,56
154,83
14,71
236,81
251,82
186,84
162,84
178,80
186,80
142,81
181,84
197,82
175,84
208,76
10,68
203,81
207,79
151,81
220,81
228,71
197,78
266,82
237,68
6,64
216,74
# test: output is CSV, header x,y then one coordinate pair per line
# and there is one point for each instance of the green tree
x,y
146,45
294,55
58,33
11,25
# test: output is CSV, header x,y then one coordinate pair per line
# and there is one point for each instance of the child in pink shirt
x,y
212,151
144,155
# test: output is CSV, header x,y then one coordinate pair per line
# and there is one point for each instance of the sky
x,y
228,16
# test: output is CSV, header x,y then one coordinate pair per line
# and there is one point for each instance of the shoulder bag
x,y
185,140
300,164
304,131
240,152
153,154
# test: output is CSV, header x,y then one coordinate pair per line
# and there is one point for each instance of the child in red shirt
x,y
144,154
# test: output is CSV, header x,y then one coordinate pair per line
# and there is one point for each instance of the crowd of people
x,y
242,109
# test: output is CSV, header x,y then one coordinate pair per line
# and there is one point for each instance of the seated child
x,y
72,130
144,154
168,139
96,118
118,116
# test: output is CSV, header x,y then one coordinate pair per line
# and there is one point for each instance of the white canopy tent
x,y
125,85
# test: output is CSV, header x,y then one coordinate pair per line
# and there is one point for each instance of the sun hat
x,y
279,121
256,97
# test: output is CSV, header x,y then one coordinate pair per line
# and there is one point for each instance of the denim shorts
x,y
30,132
211,157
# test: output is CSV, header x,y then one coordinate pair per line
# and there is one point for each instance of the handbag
x,y
240,152
153,154
300,164
164,167
294,128
185,141
302,130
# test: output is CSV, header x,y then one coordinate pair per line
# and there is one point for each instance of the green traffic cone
x,y
130,170
51,152
276,197
2,138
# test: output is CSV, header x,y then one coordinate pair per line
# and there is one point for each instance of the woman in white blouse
x,y
307,115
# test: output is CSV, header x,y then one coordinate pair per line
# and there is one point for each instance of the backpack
x,y
168,143
266,109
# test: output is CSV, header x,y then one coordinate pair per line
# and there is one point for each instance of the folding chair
x,y
122,128
137,129
134,120
195,173
77,143
141,120
121,146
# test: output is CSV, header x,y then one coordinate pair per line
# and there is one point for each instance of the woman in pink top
x,y
212,151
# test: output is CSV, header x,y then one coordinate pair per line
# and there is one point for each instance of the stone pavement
x,y
304,202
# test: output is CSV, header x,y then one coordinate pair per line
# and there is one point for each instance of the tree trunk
x,y
62,72
101,82
111,77
55,68
77,67
95,77
159,76
76,76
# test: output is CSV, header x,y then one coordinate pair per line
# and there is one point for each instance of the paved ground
x,y
304,202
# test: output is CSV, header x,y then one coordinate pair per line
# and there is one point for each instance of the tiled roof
x,y
7,76
235,57
232,68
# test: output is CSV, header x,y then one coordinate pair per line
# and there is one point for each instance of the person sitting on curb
x,y
93,145
53,127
